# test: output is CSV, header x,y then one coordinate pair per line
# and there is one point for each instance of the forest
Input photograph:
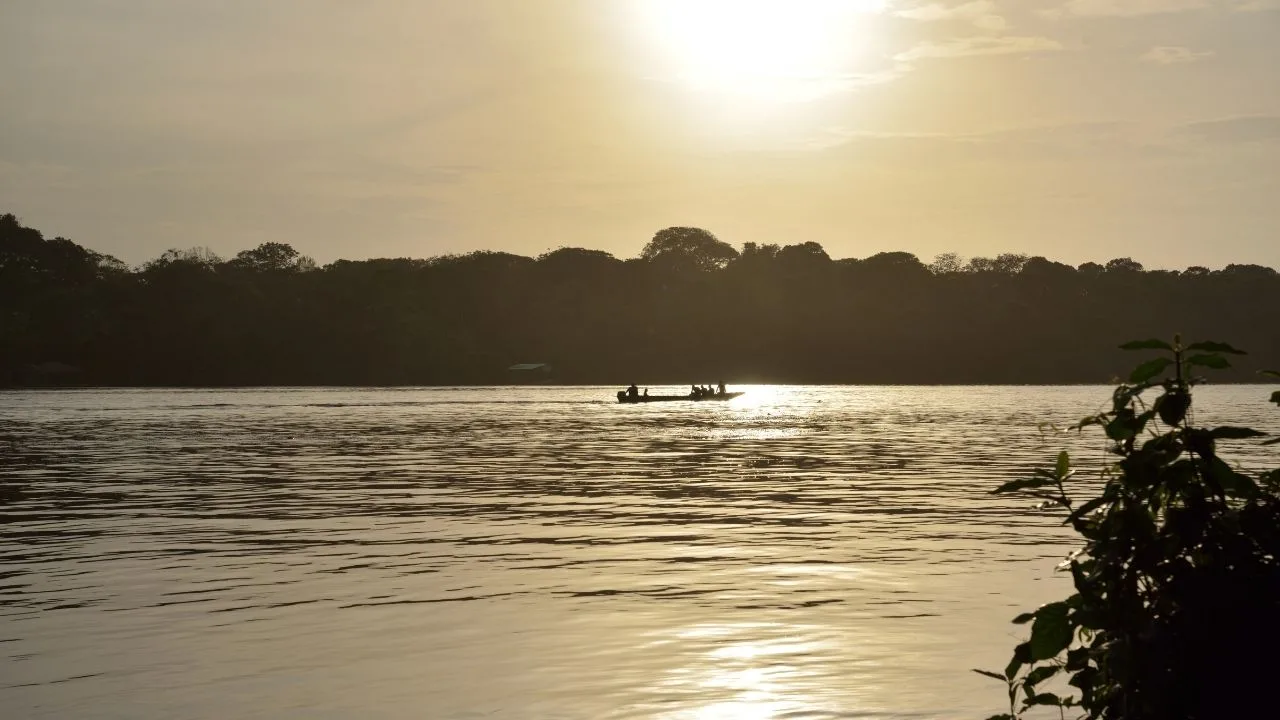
x,y
690,309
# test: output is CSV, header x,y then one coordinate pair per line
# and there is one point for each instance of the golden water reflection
x,y
744,670
798,552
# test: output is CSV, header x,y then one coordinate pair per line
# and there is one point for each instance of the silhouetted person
x,y
693,391
646,392
722,391
633,391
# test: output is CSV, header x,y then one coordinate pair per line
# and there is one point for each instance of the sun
x,y
770,50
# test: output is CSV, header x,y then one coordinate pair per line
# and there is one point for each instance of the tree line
x,y
690,308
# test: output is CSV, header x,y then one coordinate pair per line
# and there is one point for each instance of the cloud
x,y
965,47
1255,5
1125,8
938,11
978,12
1244,129
994,23
1173,55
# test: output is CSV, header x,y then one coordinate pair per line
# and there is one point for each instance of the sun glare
x,y
768,50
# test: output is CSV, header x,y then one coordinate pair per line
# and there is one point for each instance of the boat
x,y
624,398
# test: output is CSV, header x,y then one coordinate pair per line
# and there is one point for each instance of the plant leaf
x,y
1087,508
1077,659
1125,424
1024,484
1063,465
1272,373
1039,675
1152,344
990,674
1043,699
1004,716
1148,370
1227,432
1051,633
1217,347
1217,362
1021,656
1024,618
1173,406
1086,422
1235,483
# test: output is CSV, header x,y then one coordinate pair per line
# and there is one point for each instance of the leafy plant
x,y
1176,609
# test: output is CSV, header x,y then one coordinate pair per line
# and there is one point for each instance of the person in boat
x,y
633,391
722,391
646,392
695,391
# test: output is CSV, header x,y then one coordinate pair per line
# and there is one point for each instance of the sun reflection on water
x,y
527,552
758,396
743,670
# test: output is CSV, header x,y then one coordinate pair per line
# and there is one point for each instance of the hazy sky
x,y
1080,130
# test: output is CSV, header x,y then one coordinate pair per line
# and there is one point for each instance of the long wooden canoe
x,y
623,398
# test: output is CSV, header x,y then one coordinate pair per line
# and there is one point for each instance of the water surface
x,y
526,553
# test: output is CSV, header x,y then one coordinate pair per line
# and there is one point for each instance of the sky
x,y
1081,130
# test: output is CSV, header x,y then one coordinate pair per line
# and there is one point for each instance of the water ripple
x,y
457,553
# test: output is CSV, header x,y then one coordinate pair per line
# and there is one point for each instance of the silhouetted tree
x,y
688,247
691,309
196,258
945,263
980,264
1249,271
272,257
1043,268
1009,263
1125,264
901,261
577,258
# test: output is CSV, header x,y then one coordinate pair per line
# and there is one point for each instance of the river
x,y
825,552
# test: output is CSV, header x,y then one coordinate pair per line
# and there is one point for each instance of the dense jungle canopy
x,y
691,308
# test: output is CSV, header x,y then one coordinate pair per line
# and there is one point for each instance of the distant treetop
x,y
688,247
